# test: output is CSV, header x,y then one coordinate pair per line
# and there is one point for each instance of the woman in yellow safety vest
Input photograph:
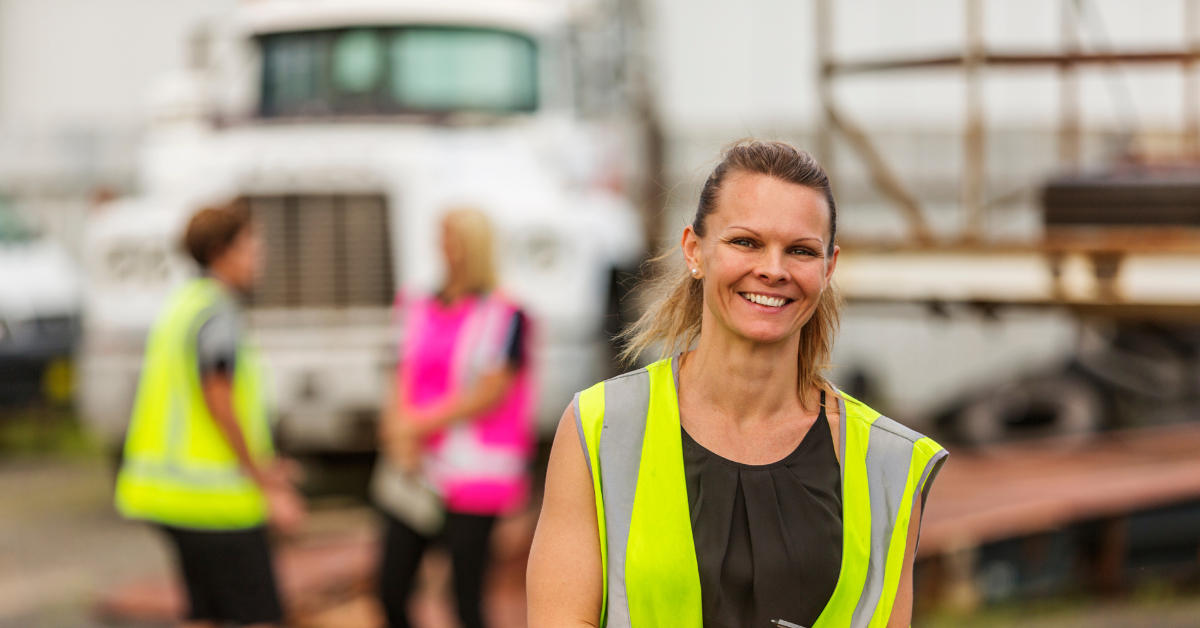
x,y
732,485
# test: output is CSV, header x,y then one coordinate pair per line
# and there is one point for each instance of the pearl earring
x,y
694,271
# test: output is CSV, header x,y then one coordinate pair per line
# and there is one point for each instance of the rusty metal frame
x,y
1013,59
973,62
883,176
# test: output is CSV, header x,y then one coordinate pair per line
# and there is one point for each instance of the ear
x,y
689,242
831,264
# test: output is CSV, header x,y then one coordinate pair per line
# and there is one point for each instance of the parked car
x,y
39,313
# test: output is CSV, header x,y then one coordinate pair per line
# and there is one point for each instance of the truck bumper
x,y
327,393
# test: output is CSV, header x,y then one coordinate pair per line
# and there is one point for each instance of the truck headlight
x,y
540,251
141,263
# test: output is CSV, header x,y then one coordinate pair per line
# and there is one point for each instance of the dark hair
x,y
672,320
213,229
778,160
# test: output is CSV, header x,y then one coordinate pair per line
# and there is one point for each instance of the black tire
x,y
1064,407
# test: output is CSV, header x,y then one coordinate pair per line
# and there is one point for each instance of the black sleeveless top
x,y
768,537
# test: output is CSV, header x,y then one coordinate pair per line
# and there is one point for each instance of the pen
x,y
781,623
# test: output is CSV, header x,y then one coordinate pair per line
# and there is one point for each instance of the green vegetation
x,y
44,430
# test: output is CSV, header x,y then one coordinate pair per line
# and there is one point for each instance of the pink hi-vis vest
x,y
479,465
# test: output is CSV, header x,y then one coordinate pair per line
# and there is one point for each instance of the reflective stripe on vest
x,y
178,469
629,428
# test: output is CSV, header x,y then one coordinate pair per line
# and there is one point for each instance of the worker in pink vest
x,y
459,428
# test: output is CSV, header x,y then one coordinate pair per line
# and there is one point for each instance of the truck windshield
x,y
405,70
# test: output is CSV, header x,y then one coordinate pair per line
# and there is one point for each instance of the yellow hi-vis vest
x,y
178,468
629,428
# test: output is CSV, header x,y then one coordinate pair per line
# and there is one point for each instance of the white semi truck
x,y
350,126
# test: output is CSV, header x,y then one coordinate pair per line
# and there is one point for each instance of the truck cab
x,y
349,128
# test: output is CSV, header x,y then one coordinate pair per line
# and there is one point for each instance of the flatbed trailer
x,y
1117,272
1031,489
1023,488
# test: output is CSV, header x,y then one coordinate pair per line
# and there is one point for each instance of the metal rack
x,y
973,61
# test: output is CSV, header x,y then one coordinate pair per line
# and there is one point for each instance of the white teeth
x,y
764,300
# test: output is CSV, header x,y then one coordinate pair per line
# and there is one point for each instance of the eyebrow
x,y
821,240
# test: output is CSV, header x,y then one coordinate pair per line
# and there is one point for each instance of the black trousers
x,y
466,536
229,575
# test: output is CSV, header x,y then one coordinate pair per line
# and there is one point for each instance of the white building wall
x,y
751,65
74,75
66,63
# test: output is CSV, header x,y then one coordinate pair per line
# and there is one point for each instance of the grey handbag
x,y
407,497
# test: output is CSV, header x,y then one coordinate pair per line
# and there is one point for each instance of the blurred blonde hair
x,y
474,233
672,320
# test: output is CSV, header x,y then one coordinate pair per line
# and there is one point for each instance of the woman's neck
x,y
743,380
224,280
453,291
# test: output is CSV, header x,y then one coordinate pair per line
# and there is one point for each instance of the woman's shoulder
x,y
861,416
628,385
501,297
630,378
408,296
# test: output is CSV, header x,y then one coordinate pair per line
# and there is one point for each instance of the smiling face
x,y
764,258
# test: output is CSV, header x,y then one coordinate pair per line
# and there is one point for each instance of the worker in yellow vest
x,y
732,485
198,458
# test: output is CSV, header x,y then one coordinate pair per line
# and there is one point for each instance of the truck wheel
x,y
1064,407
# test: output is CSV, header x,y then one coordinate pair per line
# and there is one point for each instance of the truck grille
x,y
323,251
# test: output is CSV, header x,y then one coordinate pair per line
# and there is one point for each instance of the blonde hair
x,y
474,232
672,320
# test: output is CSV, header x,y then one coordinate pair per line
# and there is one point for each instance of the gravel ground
x,y
61,542
1129,613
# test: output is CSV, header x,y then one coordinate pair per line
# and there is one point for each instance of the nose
x,y
770,268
